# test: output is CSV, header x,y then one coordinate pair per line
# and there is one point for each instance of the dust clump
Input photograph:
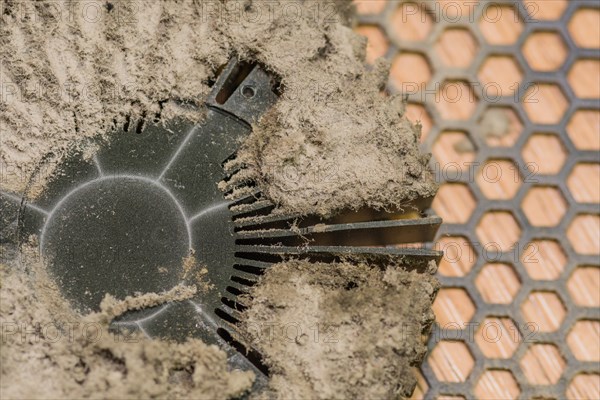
x,y
342,330
111,307
332,142
495,124
196,273
48,351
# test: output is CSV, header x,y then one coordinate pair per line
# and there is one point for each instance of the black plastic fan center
x,y
116,235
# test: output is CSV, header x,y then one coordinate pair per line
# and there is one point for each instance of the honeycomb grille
x,y
508,97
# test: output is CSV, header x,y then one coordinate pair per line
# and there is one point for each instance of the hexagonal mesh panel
x,y
508,97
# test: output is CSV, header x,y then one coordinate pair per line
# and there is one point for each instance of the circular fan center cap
x,y
116,234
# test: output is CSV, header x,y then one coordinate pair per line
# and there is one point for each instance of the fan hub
x,y
116,235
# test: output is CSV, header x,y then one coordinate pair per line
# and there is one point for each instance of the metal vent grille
x,y
546,108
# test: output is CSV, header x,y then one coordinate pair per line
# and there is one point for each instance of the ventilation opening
x,y
273,241
252,355
234,291
225,316
233,173
261,210
232,157
246,201
234,305
264,257
127,123
242,281
284,223
139,128
242,185
249,269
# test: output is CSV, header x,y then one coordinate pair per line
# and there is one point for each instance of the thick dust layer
x,y
333,142
47,351
341,331
74,70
